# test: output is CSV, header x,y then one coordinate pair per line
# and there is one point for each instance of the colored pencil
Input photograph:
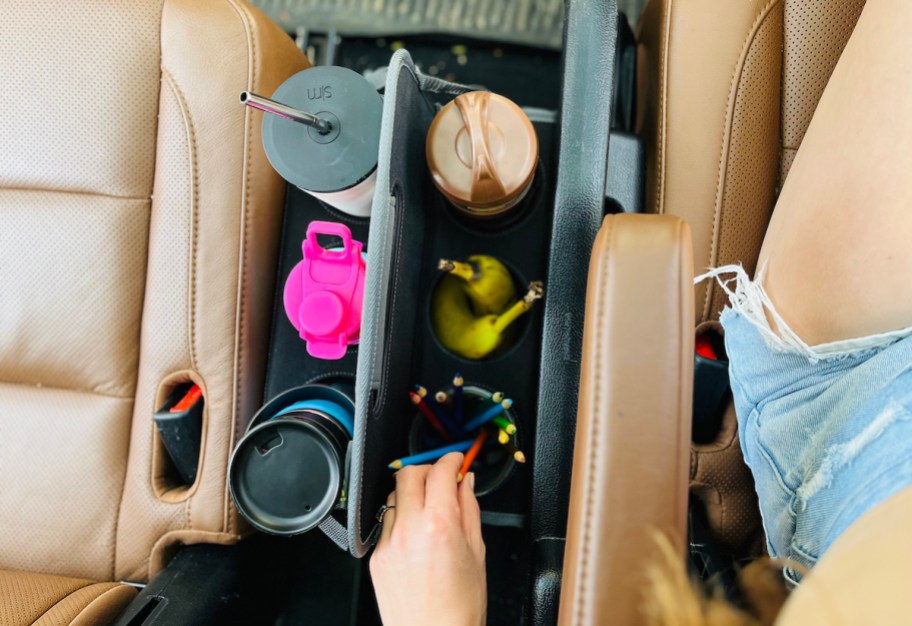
x,y
472,454
487,415
497,397
505,424
418,401
516,452
458,382
421,391
439,409
431,455
504,440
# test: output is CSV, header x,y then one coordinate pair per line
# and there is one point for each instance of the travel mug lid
x,y
285,476
482,150
337,160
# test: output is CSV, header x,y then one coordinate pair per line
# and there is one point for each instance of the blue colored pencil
x,y
487,415
439,409
457,399
431,455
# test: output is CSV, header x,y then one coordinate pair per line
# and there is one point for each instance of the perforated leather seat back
x,y
727,92
138,224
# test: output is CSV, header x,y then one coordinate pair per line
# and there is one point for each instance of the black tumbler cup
x,y
287,473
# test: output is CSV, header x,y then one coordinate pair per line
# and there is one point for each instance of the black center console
x,y
549,239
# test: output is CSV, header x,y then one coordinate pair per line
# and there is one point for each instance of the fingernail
x,y
471,478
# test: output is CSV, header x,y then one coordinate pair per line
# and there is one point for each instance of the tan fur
x,y
763,588
674,599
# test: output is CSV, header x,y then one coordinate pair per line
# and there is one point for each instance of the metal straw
x,y
277,108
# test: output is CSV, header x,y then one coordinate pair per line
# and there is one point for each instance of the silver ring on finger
x,y
382,512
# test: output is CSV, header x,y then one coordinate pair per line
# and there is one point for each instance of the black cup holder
x,y
494,463
501,224
512,337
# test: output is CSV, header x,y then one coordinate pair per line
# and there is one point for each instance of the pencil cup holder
x,y
287,473
494,462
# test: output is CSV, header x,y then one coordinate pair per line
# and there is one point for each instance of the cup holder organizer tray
x,y
412,226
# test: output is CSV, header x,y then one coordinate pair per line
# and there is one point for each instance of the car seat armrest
x,y
630,462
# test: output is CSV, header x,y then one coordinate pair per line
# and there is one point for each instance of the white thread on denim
x,y
749,298
842,454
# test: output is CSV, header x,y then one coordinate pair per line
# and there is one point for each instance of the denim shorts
x,y
826,430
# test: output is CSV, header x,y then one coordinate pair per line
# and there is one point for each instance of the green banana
x,y
460,330
486,281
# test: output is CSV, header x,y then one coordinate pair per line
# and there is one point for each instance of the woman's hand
x,y
429,565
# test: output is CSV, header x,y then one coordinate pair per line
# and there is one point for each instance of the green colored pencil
x,y
505,424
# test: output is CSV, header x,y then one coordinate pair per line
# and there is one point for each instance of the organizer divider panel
x,y
412,227
391,291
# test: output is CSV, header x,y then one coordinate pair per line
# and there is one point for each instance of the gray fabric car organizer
x,y
390,317
412,226
409,225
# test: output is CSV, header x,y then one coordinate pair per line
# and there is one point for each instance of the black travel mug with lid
x,y
287,473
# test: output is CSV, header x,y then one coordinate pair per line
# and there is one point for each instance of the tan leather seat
x,y
727,91
46,600
138,228
630,457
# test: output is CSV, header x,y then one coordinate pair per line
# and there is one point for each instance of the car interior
x,y
237,244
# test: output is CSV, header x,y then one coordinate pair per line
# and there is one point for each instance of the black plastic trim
x,y
547,564
590,40
590,36
625,188
208,584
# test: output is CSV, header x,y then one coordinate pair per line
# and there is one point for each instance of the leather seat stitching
x,y
726,142
194,208
662,127
88,583
685,354
44,387
591,477
248,25
190,131
77,192
98,600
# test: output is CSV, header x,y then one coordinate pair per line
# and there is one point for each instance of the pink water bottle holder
x,y
324,293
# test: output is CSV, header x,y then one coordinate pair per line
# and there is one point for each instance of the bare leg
x,y
839,247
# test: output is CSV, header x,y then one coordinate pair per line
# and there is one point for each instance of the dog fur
x,y
675,599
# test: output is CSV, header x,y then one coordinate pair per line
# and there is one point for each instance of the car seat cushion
x,y
42,599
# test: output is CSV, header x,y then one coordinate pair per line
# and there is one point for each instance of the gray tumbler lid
x,y
343,157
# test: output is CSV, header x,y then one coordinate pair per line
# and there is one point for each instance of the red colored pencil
x,y
471,454
429,415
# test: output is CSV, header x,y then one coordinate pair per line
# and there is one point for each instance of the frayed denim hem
x,y
749,299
